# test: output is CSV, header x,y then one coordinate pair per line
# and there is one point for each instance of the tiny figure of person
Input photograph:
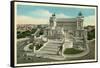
x,y
59,49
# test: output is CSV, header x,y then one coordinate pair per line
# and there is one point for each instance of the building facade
x,y
69,28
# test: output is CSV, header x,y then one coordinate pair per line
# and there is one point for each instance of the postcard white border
x,y
57,5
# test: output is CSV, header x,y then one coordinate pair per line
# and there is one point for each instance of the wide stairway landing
x,y
49,50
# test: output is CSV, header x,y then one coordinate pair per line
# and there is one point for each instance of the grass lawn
x,y
72,51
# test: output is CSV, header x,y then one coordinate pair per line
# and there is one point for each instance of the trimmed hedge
x,y
72,51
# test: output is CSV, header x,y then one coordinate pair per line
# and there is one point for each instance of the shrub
x,y
31,47
91,34
72,51
38,47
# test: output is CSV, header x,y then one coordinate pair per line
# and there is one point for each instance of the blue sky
x,y
44,12
27,9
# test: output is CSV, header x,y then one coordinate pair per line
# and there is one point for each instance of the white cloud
x,y
61,15
42,13
30,20
38,17
90,20
47,14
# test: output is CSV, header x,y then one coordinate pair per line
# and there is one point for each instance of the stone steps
x,y
47,52
52,44
50,48
50,51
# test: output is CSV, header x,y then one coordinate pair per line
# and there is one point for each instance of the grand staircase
x,y
49,50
